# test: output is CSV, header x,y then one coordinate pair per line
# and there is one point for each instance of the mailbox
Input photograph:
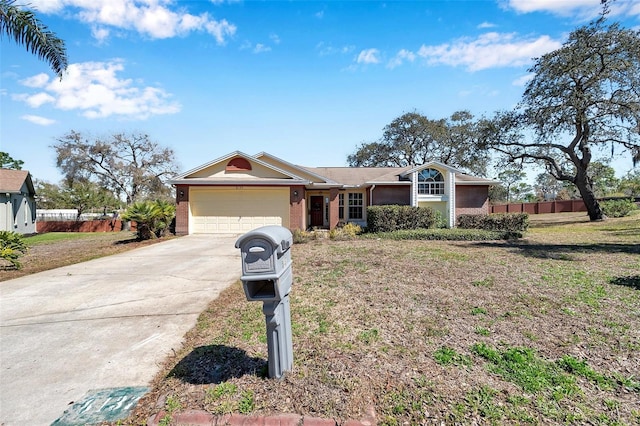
x,y
266,263
267,277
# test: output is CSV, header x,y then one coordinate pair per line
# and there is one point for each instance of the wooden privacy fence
x,y
113,225
559,206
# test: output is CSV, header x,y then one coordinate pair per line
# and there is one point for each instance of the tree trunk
x,y
589,198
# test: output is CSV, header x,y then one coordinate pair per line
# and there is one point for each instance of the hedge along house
x,y
240,192
17,195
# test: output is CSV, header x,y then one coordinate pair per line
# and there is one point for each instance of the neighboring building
x,y
17,195
239,192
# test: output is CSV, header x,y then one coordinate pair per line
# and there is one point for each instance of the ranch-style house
x,y
239,192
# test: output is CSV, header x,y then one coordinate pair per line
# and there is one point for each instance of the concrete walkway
x,y
106,323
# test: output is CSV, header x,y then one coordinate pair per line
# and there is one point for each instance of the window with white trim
x,y
430,182
340,206
356,205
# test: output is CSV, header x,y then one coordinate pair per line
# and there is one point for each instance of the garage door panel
x,y
238,210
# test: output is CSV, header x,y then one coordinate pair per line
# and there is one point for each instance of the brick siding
x,y
472,199
297,208
386,195
182,209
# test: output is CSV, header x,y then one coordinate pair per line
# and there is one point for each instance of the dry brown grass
x,y
369,318
372,317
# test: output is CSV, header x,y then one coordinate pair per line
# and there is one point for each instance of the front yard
x,y
537,331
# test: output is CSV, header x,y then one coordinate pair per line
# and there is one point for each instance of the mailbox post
x,y
267,278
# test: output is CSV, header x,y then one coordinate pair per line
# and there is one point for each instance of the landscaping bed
x,y
537,331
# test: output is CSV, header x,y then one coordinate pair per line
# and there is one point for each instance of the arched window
x,y
238,164
430,182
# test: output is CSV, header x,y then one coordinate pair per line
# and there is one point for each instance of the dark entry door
x,y
317,210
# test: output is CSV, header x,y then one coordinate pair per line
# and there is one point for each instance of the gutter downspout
x,y
370,199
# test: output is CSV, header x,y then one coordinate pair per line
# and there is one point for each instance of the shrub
x,y
152,218
394,217
346,232
12,246
512,222
300,236
618,208
455,234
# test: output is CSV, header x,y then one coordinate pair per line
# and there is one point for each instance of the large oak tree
x,y
584,99
131,165
413,139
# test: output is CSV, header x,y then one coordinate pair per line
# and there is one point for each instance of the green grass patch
x,y
487,282
476,310
524,368
481,403
482,331
53,237
580,368
446,355
369,336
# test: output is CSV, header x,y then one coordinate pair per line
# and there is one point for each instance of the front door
x,y
317,217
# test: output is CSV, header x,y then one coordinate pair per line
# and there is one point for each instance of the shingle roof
x,y
357,176
463,179
11,181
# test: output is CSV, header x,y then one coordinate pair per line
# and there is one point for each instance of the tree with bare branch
x,y
132,166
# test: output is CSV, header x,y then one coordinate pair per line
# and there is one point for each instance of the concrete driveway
x,y
106,323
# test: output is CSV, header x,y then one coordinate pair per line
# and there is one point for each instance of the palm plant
x,y
26,29
152,218
12,246
165,212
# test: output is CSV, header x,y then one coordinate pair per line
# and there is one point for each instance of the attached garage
x,y
237,209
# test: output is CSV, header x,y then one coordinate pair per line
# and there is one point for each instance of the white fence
x,y
49,215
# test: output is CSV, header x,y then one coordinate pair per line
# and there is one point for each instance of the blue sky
x,y
306,81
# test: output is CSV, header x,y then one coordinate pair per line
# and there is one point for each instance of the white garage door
x,y
231,210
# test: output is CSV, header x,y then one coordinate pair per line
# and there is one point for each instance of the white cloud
x,y
220,30
48,6
153,18
402,56
274,38
261,48
37,100
36,119
490,50
39,80
95,90
326,50
100,33
522,81
486,25
368,56
583,9
320,14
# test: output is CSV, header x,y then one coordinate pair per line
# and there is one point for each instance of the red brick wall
x,y
385,195
115,225
472,199
334,207
297,208
182,209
